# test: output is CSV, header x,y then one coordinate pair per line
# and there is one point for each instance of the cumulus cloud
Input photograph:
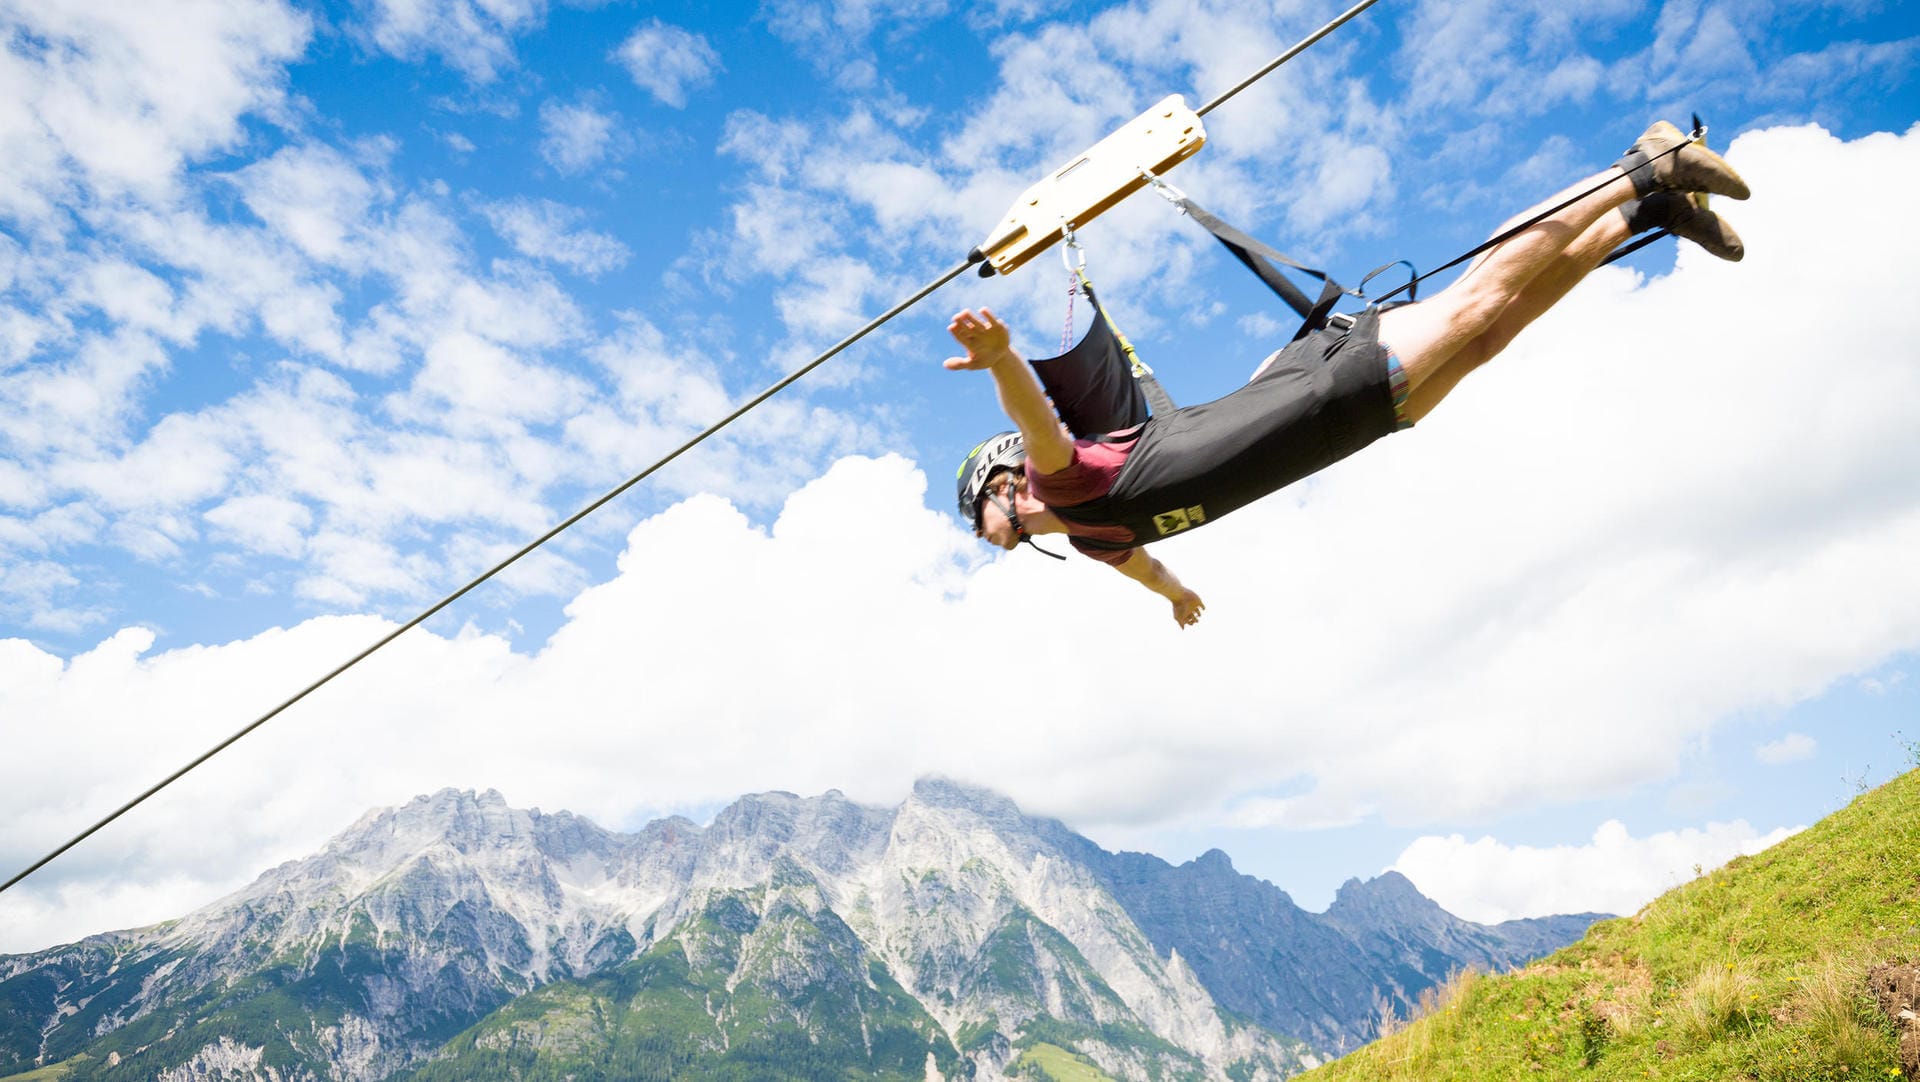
x,y
543,229
1489,882
102,100
1504,57
667,61
574,138
475,37
1791,748
834,35
314,197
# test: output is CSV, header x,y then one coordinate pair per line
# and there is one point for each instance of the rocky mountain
x,y
455,937
1325,978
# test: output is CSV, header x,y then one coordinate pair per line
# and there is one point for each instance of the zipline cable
x,y
921,294
973,257
1298,48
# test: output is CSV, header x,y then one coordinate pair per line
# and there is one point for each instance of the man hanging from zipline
x,y
1321,398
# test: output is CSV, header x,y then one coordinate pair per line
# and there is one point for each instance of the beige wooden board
x,y
1090,182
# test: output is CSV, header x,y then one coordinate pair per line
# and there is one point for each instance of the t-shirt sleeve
x,y
1088,476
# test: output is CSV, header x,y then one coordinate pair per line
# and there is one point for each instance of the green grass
x,y
1756,971
1051,1063
51,1073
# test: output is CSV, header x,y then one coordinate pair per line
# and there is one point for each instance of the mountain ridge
x,y
999,930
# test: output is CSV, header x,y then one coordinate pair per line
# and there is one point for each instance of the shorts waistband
x,y
1402,387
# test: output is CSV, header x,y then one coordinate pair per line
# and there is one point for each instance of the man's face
x,y
995,527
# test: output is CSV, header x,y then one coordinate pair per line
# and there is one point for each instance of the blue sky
x,y
309,313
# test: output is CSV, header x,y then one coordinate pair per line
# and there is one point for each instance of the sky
x,y
309,313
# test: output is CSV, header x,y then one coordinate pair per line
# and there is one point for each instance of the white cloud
x,y
1791,748
29,589
469,383
73,404
182,460
267,524
475,37
1488,881
833,34
315,198
100,100
667,61
1876,685
574,138
1502,57
1346,179
543,229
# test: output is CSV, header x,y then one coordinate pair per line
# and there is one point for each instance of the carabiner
x,y
1164,190
1070,243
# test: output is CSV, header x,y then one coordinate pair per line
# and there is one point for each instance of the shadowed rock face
x,y
1896,987
1321,977
952,920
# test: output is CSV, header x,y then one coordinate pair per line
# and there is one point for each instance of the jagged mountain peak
x,y
1214,862
1388,895
968,807
828,832
459,824
934,791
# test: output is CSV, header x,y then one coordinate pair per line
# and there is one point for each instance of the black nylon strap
x,y
1250,251
1255,256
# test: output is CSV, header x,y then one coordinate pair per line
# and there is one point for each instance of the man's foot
x,y
1664,159
1683,217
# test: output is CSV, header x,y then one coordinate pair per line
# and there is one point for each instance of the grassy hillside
x,y
1756,971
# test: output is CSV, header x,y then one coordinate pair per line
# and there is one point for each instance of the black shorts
x,y
1316,402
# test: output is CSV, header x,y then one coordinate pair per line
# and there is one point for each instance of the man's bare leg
x,y
1547,288
1426,336
1463,317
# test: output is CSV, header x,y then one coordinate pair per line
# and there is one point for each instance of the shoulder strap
x,y
1255,255
1313,315
1158,400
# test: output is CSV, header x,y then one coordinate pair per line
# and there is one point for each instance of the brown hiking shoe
x,y
1664,159
1686,217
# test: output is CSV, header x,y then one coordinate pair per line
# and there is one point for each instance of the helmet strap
x,y
1019,528
1027,538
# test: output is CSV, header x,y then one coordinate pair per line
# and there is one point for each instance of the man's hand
x,y
1153,574
986,340
1187,609
989,348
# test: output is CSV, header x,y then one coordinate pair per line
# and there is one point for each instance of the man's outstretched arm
x,y
1154,575
989,346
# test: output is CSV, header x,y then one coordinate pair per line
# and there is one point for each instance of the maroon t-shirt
x,y
1095,467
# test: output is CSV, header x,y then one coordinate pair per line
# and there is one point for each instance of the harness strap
x,y
1256,255
1159,402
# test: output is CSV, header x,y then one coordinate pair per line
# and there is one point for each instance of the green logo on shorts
x,y
1180,518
